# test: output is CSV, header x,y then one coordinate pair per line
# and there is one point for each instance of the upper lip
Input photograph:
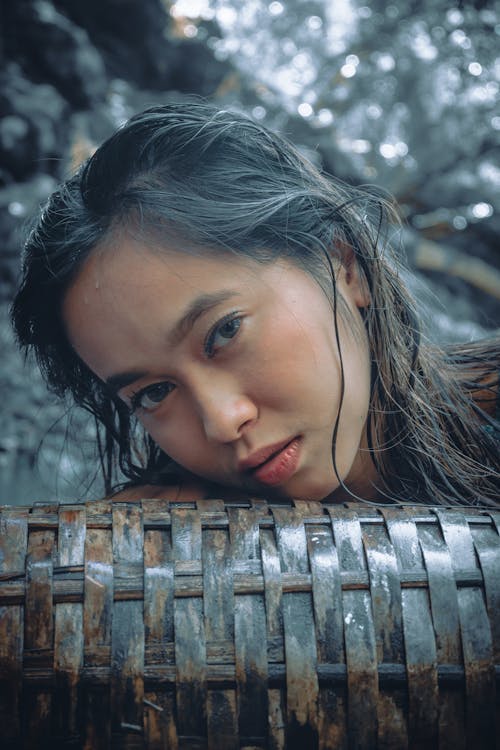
x,y
262,455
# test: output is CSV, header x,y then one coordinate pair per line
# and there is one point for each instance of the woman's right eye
x,y
147,399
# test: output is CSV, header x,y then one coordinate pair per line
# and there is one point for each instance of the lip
x,y
275,463
262,454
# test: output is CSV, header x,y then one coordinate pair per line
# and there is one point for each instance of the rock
x,y
33,131
129,34
138,43
50,47
195,69
17,203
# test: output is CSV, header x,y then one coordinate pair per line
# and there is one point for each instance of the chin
x,y
315,490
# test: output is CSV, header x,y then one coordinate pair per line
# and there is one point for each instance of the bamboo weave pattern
x,y
249,625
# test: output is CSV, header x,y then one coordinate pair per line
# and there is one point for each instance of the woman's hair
x,y
195,177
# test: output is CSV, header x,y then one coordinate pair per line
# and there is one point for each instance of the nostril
x,y
226,419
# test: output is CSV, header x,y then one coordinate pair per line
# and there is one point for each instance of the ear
x,y
351,279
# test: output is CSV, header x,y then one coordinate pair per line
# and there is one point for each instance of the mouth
x,y
274,464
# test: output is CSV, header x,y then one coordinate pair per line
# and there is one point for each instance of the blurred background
x,y
402,95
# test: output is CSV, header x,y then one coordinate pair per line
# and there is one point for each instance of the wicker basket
x,y
218,625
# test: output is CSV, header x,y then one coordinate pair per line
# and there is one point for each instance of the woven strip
x,y
477,644
228,625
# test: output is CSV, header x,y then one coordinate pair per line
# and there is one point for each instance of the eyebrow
x,y
116,382
196,308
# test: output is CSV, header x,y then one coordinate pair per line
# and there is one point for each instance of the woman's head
x,y
228,362
189,186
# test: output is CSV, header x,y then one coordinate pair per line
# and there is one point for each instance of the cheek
x,y
293,352
357,381
296,373
177,433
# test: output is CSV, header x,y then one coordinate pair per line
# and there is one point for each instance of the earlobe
x,y
356,281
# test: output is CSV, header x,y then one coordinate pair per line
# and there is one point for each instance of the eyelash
x,y
137,396
209,350
208,346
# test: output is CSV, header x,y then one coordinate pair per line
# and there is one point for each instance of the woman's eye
x,y
221,334
148,398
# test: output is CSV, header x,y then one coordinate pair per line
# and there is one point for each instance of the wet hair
x,y
196,177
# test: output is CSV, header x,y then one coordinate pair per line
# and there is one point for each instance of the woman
x,y
234,319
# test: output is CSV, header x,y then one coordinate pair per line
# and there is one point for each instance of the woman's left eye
x,y
221,334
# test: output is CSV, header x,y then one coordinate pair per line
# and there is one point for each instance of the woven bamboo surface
x,y
249,625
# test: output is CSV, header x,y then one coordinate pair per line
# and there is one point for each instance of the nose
x,y
225,413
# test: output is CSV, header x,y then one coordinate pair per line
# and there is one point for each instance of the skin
x,y
254,369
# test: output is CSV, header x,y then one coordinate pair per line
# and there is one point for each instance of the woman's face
x,y
232,366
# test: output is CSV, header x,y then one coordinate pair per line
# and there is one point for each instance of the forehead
x,y
129,278
127,296
129,263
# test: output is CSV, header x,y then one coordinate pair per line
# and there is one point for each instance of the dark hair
x,y
204,177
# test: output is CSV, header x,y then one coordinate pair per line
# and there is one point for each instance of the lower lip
x,y
280,467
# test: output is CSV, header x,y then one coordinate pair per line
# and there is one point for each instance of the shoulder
x,y
181,492
487,395
476,367
188,491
